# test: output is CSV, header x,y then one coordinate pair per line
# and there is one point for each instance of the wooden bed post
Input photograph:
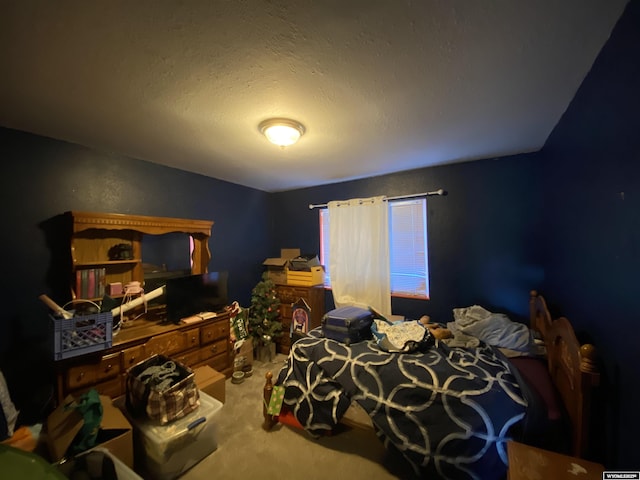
x,y
539,316
269,420
573,369
590,379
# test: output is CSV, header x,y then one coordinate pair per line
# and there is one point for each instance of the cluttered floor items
x,y
174,422
164,419
167,451
165,424
243,360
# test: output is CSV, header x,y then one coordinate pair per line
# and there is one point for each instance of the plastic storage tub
x,y
94,467
166,451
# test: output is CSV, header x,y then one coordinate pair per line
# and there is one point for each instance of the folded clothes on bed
x,y
459,339
495,329
401,336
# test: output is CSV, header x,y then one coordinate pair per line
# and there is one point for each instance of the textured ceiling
x,y
380,85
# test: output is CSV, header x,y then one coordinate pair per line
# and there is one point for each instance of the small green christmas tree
x,y
264,314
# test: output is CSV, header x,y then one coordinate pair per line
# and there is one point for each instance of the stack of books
x,y
90,282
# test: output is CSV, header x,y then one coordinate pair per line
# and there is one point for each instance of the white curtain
x,y
359,246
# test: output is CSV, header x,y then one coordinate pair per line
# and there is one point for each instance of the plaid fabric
x,y
166,402
175,403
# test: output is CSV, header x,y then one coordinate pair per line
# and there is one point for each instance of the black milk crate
x,y
82,334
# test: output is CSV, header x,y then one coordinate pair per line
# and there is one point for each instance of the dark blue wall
x,y
592,207
483,236
42,178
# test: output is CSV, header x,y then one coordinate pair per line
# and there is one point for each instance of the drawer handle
x,y
80,375
132,359
214,348
109,367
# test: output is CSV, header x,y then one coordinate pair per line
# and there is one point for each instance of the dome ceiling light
x,y
281,131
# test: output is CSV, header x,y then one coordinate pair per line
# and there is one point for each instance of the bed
x,y
449,411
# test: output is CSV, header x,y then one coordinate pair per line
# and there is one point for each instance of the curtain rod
x,y
400,197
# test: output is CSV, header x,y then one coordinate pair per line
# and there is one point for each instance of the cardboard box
x,y
277,267
306,279
210,382
115,431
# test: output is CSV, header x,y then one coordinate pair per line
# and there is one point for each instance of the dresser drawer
x,y
214,331
165,344
109,367
90,373
189,359
80,376
289,294
213,349
191,338
132,356
112,388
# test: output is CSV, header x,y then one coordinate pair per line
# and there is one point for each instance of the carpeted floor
x,y
246,450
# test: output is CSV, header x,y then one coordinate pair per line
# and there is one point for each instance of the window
x,y
408,251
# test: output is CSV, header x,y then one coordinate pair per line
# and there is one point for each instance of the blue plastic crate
x,y
82,334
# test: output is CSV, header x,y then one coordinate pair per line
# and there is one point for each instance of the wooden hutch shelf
x,y
94,234
205,343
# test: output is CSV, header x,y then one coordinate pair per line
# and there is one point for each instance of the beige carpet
x,y
246,450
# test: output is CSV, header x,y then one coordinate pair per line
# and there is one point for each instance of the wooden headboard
x,y
572,368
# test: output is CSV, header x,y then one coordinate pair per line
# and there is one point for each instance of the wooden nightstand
x,y
530,463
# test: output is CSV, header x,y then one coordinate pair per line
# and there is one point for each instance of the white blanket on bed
x,y
495,329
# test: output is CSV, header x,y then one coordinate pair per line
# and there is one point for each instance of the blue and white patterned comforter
x,y
448,410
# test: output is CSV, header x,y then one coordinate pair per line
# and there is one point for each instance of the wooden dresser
x,y
93,236
196,344
290,294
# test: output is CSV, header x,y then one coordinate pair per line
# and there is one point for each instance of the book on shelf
x,y
84,293
90,282
78,289
101,282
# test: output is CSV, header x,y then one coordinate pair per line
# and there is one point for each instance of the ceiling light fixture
x,y
281,131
